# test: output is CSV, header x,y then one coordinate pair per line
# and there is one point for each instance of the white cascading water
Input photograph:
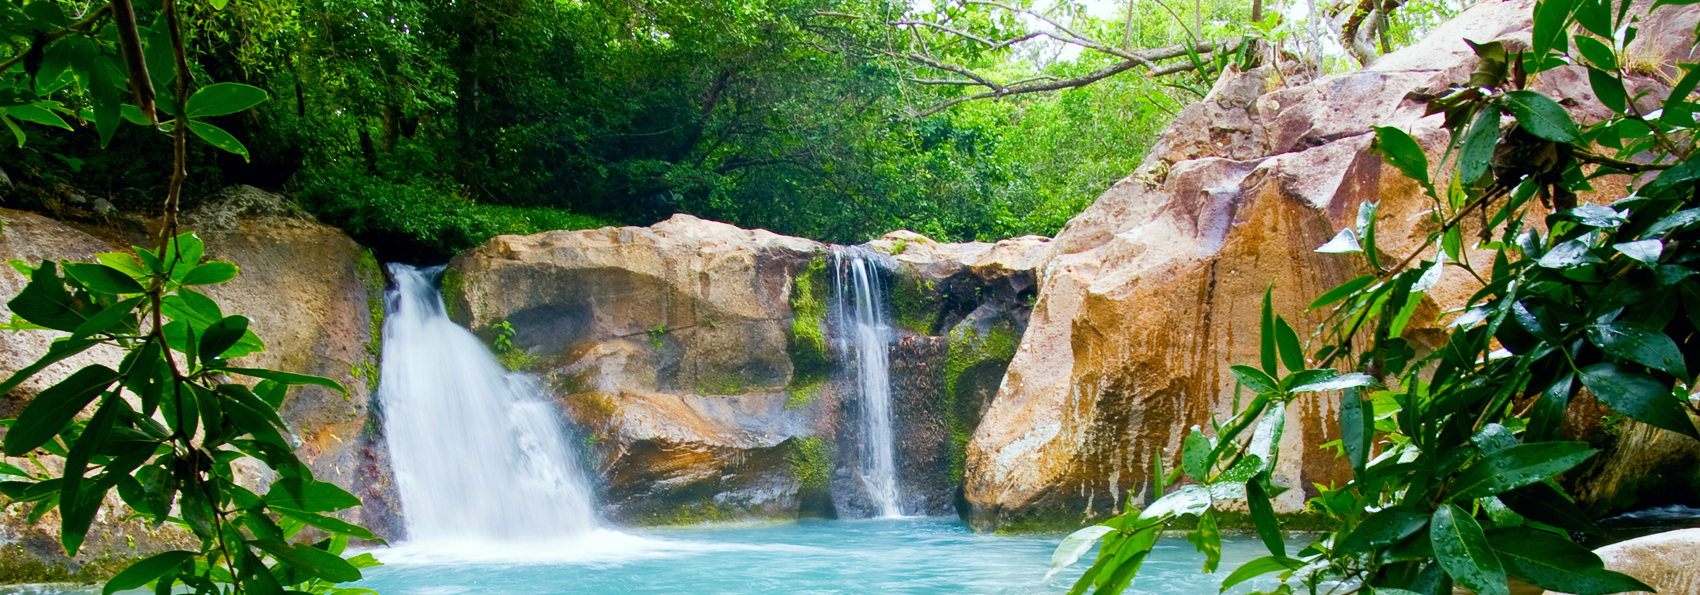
x,y
863,312
479,455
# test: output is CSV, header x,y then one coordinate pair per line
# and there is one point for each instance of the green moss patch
x,y
811,364
972,352
453,291
915,304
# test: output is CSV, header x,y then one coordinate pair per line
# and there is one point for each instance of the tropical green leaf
x,y
221,99
311,560
1074,546
1257,568
1542,116
1516,467
1639,396
102,278
309,496
1343,290
1554,563
1478,147
1268,348
217,137
1195,455
54,407
1344,242
145,571
1402,152
1639,343
1465,553
288,377
1381,529
1207,539
210,273
1263,517
1357,428
1253,378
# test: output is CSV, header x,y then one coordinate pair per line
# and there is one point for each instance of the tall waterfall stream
x,y
479,455
859,302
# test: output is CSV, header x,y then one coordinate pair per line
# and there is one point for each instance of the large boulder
x,y
1155,290
702,366
311,293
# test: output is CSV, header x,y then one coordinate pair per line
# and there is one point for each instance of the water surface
x,y
907,556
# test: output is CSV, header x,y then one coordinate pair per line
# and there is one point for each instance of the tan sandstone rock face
x,y
699,361
1154,291
309,291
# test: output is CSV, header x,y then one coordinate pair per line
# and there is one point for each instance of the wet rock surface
x,y
703,368
1150,295
314,297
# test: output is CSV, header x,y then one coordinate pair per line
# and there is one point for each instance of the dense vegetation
x,y
1455,444
424,126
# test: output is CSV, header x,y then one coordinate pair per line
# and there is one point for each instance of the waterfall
x,y
478,454
862,310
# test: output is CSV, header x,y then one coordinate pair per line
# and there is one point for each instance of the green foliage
x,y
1455,450
167,424
421,219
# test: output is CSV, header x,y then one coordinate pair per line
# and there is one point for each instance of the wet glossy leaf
x,y
210,273
1402,152
1344,242
1543,503
1257,568
309,496
1287,342
1191,499
1542,116
1645,251
1263,517
1268,349
1343,290
1570,254
1609,89
1207,539
1332,380
145,571
1195,454
1479,142
1074,546
1357,428
1639,343
54,406
1639,396
1516,467
1552,562
1465,553
1384,528
221,99
1253,378
311,560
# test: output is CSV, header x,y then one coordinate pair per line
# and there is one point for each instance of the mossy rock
x,y
811,363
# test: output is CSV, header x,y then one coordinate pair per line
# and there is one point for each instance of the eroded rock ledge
x,y
700,363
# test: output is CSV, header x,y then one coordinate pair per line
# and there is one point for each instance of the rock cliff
x,y
314,297
1150,294
702,367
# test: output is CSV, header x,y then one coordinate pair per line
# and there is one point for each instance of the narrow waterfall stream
x,y
861,309
479,455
